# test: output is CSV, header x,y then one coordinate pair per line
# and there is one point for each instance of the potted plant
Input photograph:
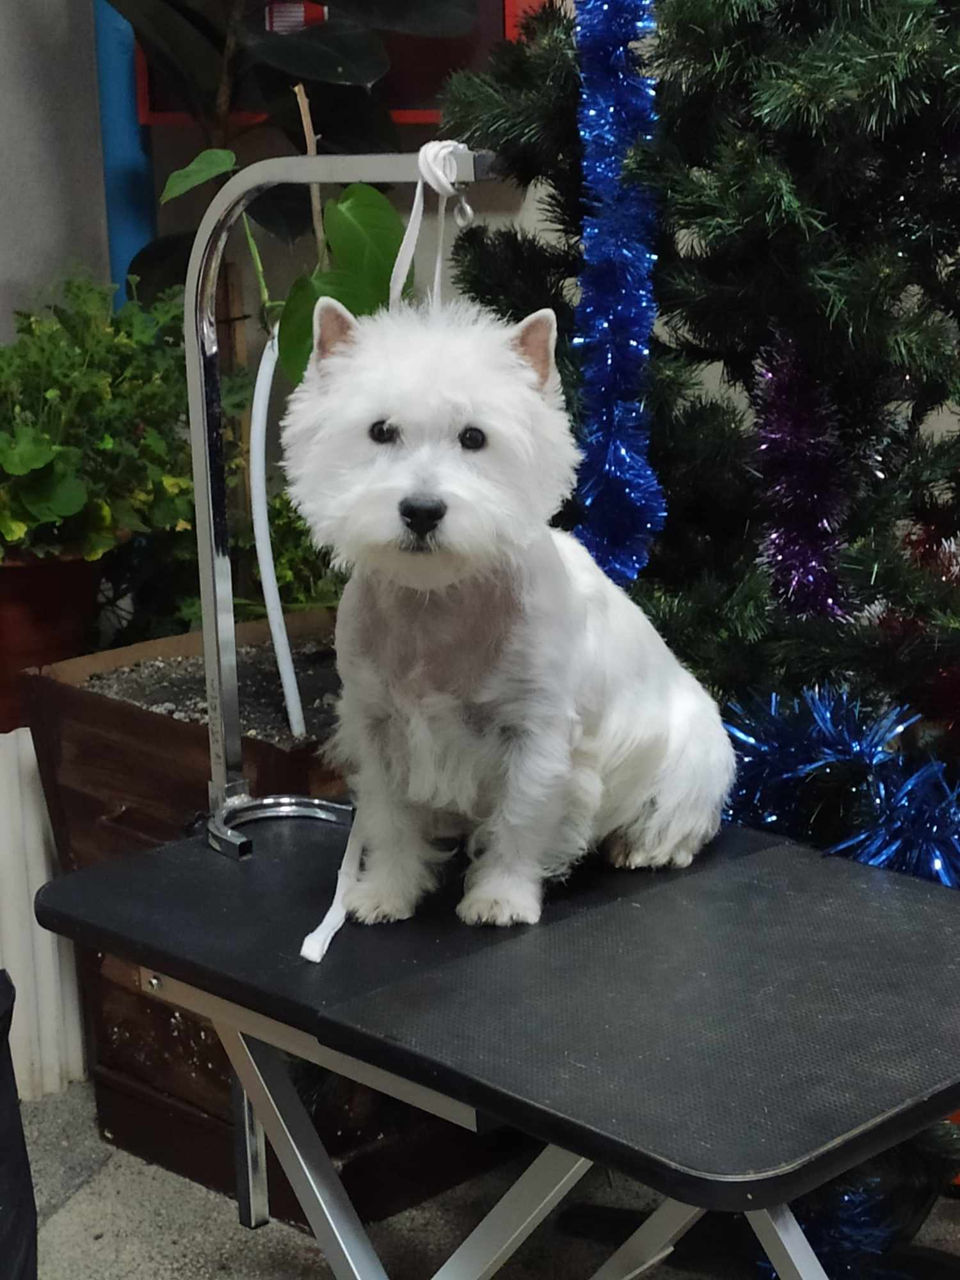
x,y
93,451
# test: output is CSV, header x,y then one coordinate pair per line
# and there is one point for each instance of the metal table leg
x,y
249,1161
333,1219
515,1216
651,1242
785,1244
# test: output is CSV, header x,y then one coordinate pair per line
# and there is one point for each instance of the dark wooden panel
x,y
120,778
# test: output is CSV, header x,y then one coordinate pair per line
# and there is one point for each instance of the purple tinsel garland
x,y
800,461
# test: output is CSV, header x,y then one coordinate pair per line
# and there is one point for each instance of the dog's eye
x,y
381,432
472,438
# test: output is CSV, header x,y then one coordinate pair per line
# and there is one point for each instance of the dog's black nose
x,y
422,515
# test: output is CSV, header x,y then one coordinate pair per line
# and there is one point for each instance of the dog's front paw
x,y
501,901
376,902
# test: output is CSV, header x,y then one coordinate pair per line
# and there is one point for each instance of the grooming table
x,y
732,1035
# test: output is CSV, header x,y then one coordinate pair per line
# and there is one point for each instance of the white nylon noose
x,y
315,944
438,169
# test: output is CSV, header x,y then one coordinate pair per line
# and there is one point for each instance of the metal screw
x,y
155,983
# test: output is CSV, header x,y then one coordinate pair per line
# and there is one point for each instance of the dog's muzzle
x,y
421,515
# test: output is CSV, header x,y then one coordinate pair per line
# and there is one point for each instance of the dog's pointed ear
x,y
333,325
535,340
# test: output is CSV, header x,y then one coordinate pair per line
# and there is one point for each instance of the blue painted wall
x,y
127,171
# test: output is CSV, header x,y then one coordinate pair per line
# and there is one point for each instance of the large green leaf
x,y
337,52
364,233
180,42
54,493
26,450
11,529
353,291
413,17
295,337
208,164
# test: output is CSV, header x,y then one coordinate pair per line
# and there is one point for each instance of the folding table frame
x,y
257,1046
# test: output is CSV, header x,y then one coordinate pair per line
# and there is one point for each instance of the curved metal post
x,y
227,786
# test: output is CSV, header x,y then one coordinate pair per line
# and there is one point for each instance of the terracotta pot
x,y
47,611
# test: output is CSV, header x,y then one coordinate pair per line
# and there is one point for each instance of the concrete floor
x,y
105,1215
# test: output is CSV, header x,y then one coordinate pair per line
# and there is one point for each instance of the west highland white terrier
x,y
496,684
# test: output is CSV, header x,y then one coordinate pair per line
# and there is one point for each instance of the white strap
x,y
315,944
438,168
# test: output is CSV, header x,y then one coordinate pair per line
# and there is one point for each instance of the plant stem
x,y
257,264
221,123
310,139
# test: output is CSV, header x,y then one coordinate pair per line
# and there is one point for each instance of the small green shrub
x,y
305,578
93,439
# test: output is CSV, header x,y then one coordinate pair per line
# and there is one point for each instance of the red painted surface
x,y
513,11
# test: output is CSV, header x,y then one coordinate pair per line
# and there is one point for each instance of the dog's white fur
x,y
495,682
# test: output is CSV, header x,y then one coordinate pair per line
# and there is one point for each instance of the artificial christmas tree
x,y
807,173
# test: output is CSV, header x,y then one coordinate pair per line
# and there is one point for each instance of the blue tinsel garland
x,y
622,501
914,813
917,828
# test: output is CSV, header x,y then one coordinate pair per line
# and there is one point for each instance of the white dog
x,y
495,682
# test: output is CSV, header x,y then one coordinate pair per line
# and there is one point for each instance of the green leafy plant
x,y
93,442
363,233
306,578
359,233
318,86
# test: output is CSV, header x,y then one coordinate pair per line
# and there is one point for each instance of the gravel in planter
x,y
176,687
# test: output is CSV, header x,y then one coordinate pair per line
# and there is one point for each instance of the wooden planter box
x,y
119,778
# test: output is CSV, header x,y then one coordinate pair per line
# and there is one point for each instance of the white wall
x,y
52,217
45,1039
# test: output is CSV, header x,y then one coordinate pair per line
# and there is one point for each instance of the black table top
x,y
733,1034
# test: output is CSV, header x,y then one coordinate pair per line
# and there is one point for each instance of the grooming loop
x,y
448,164
438,163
